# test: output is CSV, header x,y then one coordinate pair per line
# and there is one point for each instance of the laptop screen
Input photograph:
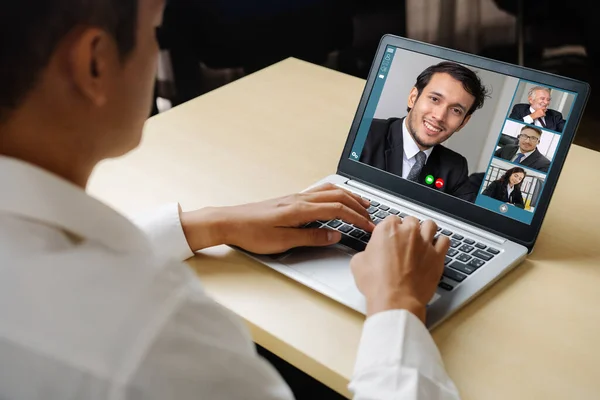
x,y
478,135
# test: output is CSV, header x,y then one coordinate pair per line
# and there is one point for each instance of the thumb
x,y
311,237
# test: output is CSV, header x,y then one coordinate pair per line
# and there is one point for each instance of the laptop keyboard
x,y
464,256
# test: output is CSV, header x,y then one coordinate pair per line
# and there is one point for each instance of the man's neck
x,y
43,147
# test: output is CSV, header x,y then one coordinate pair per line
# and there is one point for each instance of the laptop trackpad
x,y
328,265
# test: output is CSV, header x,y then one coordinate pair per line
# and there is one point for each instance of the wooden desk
x,y
533,335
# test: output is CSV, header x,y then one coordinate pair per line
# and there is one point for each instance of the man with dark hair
x,y
525,153
440,104
536,112
92,306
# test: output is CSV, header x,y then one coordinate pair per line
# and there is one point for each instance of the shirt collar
x,y
410,147
33,193
525,154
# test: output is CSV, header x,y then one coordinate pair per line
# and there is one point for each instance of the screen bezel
x,y
517,231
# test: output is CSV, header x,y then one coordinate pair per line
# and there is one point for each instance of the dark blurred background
x,y
207,44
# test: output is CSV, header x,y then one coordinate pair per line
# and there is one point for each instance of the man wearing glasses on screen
x,y
525,153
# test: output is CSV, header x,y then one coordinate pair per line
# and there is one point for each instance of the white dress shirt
x,y
525,155
509,189
530,120
410,150
92,307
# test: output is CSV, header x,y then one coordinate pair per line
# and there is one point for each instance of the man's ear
x,y
92,57
412,97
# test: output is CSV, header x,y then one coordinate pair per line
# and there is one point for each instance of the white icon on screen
x,y
390,50
382,76
354,154
388,57
503,208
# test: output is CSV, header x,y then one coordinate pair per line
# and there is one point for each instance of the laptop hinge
x,y
427,212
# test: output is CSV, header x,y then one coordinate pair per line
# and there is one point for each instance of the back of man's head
x,y
31,30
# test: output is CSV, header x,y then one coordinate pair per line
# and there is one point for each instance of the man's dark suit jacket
x,y
535,160
553,119
499,191
384,150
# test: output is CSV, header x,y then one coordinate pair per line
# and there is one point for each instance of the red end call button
x,y
439,183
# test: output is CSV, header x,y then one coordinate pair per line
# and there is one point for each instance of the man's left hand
x,y
274,226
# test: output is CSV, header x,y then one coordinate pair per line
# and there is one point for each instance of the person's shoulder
x,y
383,122
554,113
450,155
521,106
379,129
540,156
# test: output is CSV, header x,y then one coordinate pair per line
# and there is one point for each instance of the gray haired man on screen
x,y
537,111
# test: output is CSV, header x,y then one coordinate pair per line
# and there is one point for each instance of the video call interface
x,y
474,134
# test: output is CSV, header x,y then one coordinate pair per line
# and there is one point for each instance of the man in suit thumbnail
x,y
526,153
537,111
440,104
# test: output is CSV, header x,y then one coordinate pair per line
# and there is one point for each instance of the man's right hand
x,y
401,266
540,112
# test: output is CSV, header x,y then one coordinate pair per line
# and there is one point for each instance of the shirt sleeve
x,y
398,359
528,119
163,227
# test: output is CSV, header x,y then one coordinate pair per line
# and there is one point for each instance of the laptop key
x,y
374,203
466,248
366,237
376,221
480,246
393,211
469,241
357,233
345,228
353,243
476,263
372,210
334,223
493,251
458,237
445,286
454,275
382,214
452,252
384,207
463,257
464,268
446,232
439,229
483,255
454,243
403,215
314,224
447,261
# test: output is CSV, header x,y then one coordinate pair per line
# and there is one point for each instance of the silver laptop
x,y
486,175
